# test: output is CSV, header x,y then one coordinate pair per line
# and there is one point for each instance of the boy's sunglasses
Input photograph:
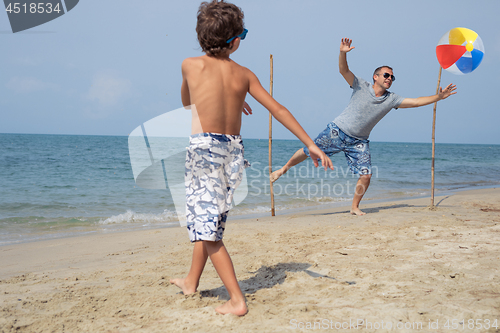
x,y
242,36
387,75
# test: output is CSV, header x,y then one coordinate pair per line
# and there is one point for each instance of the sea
x,y
55,186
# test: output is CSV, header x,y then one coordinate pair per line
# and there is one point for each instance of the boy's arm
x,y
186,98
345,46
247,109
287,119
421,101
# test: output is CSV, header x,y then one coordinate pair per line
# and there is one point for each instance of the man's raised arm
x,y
345,46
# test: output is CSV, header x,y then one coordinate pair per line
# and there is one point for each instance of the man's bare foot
x,y
276,174
237,308
357,211
181,283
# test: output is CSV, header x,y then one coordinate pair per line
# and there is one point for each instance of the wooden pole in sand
x,y
271,140
434,140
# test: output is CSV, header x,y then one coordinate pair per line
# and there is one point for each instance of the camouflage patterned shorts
x,y
214,169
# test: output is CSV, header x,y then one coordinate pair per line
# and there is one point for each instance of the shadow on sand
x,y
378,209
264,278
371,210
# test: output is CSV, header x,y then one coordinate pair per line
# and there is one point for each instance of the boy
x,y
217,87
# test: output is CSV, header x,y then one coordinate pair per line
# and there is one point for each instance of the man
x,y
350,130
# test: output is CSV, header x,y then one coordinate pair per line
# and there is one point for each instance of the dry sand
x,y
400,265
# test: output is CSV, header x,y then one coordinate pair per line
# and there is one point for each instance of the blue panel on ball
x,y
464,64
477,57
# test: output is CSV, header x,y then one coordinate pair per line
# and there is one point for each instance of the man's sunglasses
x,y
242,36
387,75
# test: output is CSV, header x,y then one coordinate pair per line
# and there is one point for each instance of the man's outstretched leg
x,y
190,283
361,187
298,157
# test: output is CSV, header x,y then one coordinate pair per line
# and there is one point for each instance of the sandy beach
x,y
402,267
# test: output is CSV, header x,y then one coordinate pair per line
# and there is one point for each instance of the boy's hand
x,y
316,154
345,45
246,109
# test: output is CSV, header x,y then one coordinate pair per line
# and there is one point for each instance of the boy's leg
x,y
224,267
190,283
361,187
298,157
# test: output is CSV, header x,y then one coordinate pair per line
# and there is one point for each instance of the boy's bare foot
x,y
357,211
234,307
276,174
181,283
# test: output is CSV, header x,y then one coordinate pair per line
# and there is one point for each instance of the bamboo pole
x,y
271,140
434,140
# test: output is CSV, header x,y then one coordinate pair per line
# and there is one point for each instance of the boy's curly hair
x,y
218,21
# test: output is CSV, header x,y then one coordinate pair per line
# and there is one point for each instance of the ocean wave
x,y
329,199
293,204
145,219
249,211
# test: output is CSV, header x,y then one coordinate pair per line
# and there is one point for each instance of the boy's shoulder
x,y
192,61
204,60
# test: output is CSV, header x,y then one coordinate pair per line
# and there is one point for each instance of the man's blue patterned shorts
x,y
357,152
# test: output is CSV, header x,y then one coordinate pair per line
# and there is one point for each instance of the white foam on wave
x,y
297,203
132,217
415,193
248,211
330,199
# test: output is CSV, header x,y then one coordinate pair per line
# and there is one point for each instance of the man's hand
x,y
447,92
345,45
246,109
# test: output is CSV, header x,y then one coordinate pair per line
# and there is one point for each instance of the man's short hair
x,y
377,71
218,21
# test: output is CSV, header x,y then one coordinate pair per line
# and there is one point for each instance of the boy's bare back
x,y
217,87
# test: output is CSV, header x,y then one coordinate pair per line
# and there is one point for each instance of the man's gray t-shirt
x,y
365,109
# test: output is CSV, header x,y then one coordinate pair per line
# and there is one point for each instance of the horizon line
x,y
248,138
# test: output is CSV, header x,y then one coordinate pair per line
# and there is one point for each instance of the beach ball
x,y
460,51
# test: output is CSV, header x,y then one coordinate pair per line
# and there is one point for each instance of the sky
x,y
106,67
